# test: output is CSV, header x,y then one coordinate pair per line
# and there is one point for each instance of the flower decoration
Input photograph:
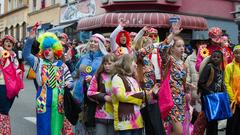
x,y
5,54
120,50
204,52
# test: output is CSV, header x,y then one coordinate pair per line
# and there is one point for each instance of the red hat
x,y
215,34
64,35
12,39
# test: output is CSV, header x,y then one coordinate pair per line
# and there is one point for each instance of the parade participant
x,y
132,36
100,92
52,76
147,80
108,45
231,78
127,97
85,69
8,63
172,60
67,51
120,40
215,43
211,81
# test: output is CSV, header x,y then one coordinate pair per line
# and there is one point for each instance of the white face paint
x,y
48,54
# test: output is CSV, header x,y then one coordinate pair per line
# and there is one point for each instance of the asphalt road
x,y
22,112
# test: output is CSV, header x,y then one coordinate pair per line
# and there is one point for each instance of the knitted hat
x,y
215,34
9,38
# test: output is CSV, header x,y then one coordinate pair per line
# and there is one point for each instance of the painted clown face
x,y
8,45
48,54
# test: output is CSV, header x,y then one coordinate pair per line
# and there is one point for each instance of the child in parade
x,y
100,92
52,76
211,81
85,70
128,97
147,80
231,79
172,60
8,60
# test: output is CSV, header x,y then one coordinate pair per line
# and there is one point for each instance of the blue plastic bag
x,y
217,106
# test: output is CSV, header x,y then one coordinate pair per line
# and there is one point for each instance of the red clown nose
x,y
46,52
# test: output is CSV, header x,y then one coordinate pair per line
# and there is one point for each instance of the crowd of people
x,y
127,84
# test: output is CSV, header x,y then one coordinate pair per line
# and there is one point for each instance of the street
x,y
22,112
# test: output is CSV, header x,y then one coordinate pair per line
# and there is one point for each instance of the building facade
x,y
13,20
191,12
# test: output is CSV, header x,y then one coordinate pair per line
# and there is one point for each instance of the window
x,y
24,28
66,1
34,5
20,3
9,5
11,31
17,32
53,2
43,4
6,31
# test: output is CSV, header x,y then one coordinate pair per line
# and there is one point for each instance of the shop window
x,y
43,4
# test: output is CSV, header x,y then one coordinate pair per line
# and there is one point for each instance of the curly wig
x,y
50,40
128,39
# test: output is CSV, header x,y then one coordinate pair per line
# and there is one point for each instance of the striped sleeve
x,y
67,76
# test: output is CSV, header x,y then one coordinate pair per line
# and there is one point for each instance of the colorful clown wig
x,y
50,40
128,39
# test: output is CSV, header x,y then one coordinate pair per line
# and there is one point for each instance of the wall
x,y
215,8
47,15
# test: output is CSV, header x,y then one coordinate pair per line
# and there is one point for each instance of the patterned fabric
x,y
103,111
200,124
67,128
5,127
126,104
147,69
52,76
177,80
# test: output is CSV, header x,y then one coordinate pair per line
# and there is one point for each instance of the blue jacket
x,y
88,64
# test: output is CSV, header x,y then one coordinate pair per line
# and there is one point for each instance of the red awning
x,y
158,20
